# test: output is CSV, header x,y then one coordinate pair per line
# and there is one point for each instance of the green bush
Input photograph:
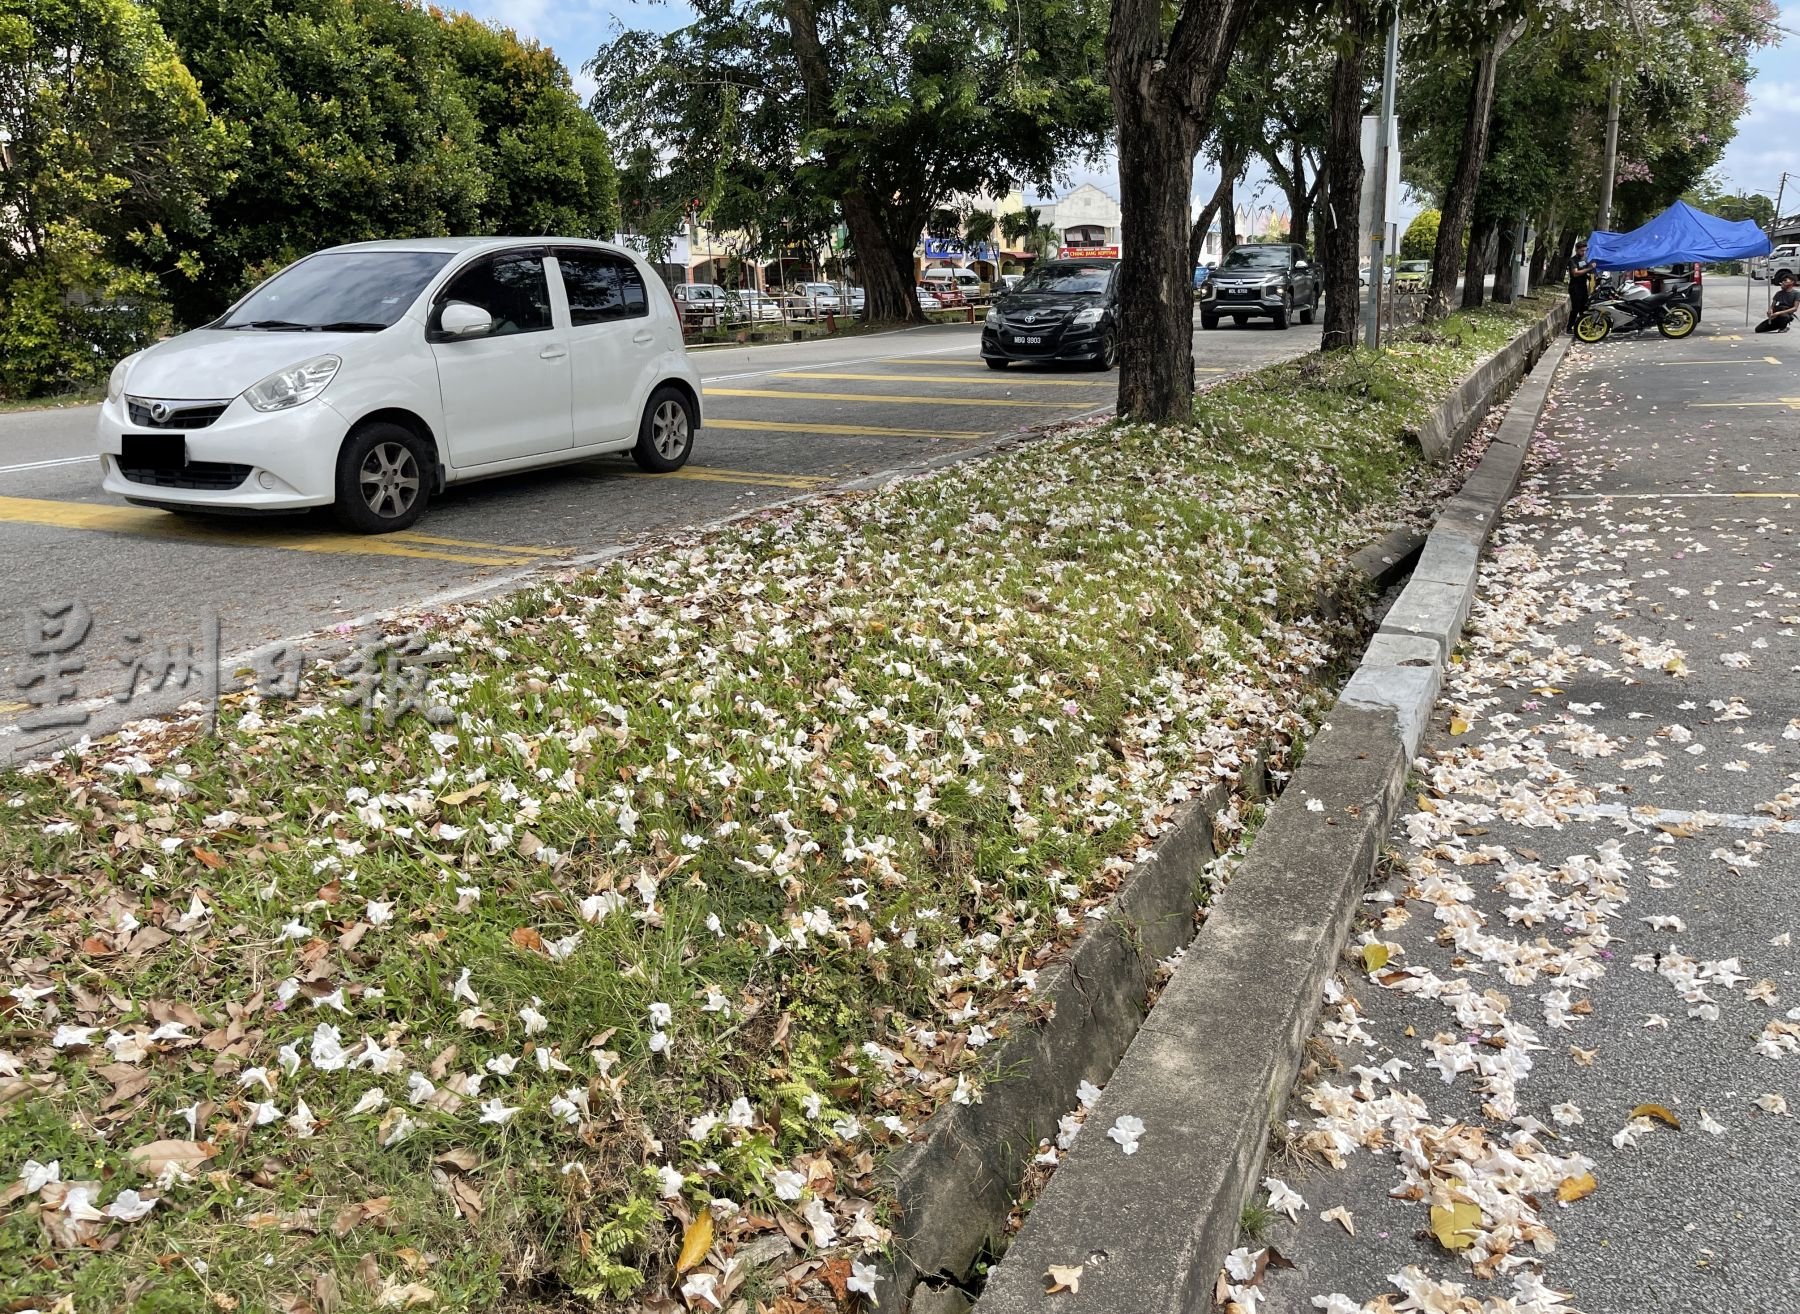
x,y
68,317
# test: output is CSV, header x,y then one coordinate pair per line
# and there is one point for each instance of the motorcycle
x,y
1628,307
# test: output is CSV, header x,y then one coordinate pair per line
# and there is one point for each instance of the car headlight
x,y
1087,315
115,383
294,386
993,315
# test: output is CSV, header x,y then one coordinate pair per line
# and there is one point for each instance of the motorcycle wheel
x,y
1678,322
1593,326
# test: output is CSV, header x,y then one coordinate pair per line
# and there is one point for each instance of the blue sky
x,y
1753,161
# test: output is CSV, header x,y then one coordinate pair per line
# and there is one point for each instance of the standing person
x,y
1782,307
1581,283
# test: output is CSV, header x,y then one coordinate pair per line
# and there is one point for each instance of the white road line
x,y
1648,816
45,465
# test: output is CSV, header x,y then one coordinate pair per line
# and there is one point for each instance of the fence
x,y
748,316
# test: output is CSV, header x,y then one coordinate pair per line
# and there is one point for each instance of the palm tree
x,y
1016,224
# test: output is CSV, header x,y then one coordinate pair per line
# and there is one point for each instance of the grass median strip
x,y
709,876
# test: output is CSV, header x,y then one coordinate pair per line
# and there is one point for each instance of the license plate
x,y
153,451
1025,341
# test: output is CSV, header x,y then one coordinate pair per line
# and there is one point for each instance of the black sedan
x,y
1063,310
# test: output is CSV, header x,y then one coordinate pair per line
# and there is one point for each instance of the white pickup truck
x,y
1784,259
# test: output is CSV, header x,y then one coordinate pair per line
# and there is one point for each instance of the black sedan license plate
x,y
153,451
1024,341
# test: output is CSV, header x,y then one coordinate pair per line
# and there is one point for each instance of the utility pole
x,y
1611,166
1378,212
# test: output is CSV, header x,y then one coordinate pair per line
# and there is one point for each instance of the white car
x,y
367,377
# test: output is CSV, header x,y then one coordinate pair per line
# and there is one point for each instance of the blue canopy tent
x,y
1679,235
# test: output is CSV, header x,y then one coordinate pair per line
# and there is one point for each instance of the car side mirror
x,y
459,320
1300,266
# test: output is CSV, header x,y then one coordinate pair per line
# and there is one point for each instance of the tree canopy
x,y
769,115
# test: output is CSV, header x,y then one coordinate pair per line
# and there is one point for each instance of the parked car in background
x,y
747,305
1201,274
368,377
702,305
927,298
1269,280
814,301
1063,310
1786,256
949,296
966,281
1411,273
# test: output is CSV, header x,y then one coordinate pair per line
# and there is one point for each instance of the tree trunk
x,y
1542,248
883,257
1459,197
1341,240
1503,261
1163,91
1156,294
1475,264
1228,237
1298,198
1230,162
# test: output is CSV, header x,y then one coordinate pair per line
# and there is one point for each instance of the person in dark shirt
x,y
1581,283
1781,309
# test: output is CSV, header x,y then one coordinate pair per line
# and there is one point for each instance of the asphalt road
x,y
1665,508
781,421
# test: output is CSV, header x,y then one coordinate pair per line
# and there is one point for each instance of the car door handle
x,y
553,353
643,335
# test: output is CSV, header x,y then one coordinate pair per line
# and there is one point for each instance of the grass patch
x,y
733,859
83,397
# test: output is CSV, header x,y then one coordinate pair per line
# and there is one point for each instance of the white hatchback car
x,y
367,377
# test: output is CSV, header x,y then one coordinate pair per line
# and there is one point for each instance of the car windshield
x,y
1066,278
1414,266
348,291
1254,257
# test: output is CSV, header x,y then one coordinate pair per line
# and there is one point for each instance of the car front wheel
x,y
383,479
666,433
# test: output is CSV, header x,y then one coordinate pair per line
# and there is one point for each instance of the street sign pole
x,y
1377,237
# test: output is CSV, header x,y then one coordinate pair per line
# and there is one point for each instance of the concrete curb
x,y
1213,1063
1447,428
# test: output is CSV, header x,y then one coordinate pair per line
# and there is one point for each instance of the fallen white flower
x,y
1126,1131
1284,1198
128,1206
37,1176
497,1112
818,1216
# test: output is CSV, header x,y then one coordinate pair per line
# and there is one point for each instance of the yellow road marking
x,y
845,430
6,708
711,474
109,519
883,397
1773,360
991,377
408,536
982,365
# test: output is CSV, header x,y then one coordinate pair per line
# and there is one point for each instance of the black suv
x,y
1273,280
1064,310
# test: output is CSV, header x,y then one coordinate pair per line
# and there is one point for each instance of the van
x,y
963,280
